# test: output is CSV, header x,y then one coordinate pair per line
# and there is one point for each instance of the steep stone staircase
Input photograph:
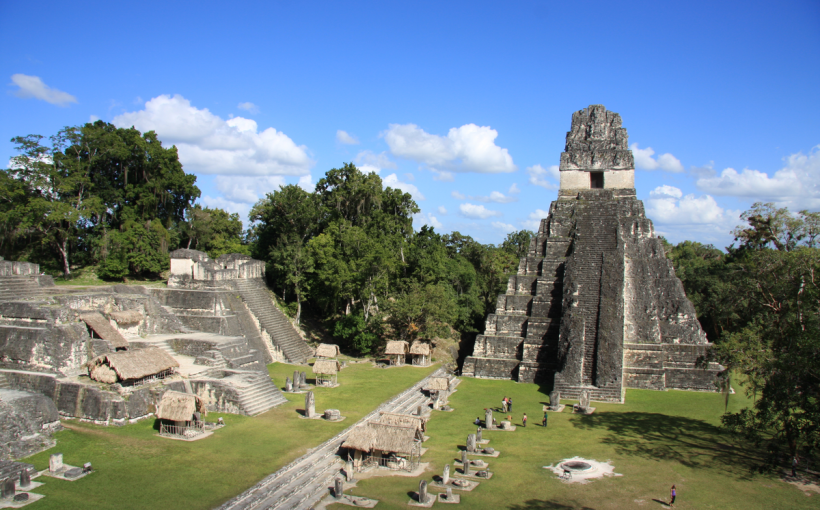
x,y
260,395
273,321
18,288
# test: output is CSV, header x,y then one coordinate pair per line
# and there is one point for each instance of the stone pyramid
x,y
596,304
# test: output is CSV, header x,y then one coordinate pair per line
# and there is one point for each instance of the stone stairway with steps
x,y
305,481
282,333
261,395
19,288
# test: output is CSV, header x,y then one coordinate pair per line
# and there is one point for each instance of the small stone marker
x,y
445,477
489,450
418,411
310,405
471,443
436,405
8,487
55,462
465,462
304,380
478,435
505,425
488,419
23,496
555,399
449,495
288,385
423,491
338,488
333,415
584,399
297,379
25,478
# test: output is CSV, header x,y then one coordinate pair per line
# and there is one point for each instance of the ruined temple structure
x,y
596,304
107,354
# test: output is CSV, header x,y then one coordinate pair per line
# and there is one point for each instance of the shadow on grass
x,y
537,504
693,443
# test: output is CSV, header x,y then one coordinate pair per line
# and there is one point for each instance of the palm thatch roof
x,y
178,406
327,351
379,436
396,347
437,384
103,329
420,347
130,365
326,366
126,317
402,420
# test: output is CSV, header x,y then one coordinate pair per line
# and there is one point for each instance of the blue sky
x,y
464,104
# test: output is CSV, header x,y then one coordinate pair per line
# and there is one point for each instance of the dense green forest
x,y
347,256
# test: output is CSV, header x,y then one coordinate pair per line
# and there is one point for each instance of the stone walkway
x,y
305,481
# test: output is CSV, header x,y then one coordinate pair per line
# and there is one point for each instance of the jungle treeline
x,y
347,256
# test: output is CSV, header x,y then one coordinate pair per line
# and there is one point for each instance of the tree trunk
x,y
62,247
298,310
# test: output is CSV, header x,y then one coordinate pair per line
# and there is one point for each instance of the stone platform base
x,y
467,488
494,454
588,410
558,409
472,475
10,503
356,501
431,498
442,498
61,473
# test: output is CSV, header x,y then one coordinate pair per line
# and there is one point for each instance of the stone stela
x,y
596,304
310,405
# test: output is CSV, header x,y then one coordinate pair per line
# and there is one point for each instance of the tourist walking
x,y
525,419
504,404
544,423
509,404
673,494
795,460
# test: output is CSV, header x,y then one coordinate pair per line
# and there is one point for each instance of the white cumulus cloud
x,y
422,219
458,196
678,216
477,211
533,221
538,176
370,162
796,185
468,148
209,144
248,107
505,227
393,181
495,196
33,86
346,138
248,189
243,208
645,161
442,209
441,175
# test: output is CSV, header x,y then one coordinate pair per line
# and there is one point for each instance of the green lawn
x,y
137,469
654,440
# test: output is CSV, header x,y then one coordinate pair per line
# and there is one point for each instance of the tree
x,y
287,220
778,348
518,243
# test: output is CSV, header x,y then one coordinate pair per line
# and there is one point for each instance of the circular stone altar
x,y
576,466
582,470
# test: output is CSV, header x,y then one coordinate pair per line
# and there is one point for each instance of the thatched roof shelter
x,y
326,366
386,438
130,365
327,351
126,317
396,347
104,329
437,384
176,406
420,347
402,420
